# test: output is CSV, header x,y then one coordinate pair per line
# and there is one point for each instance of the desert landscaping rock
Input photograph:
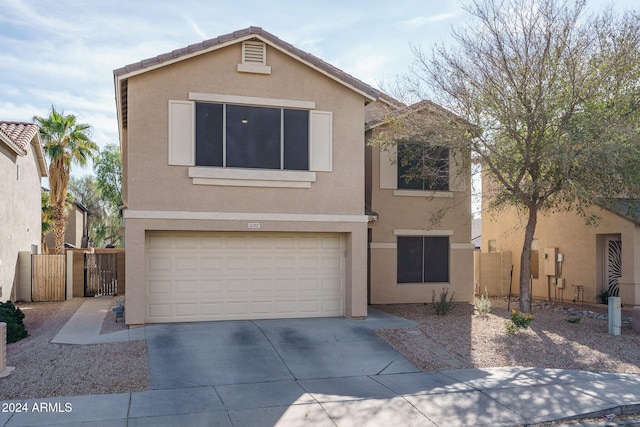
x,y
550,342
44,369
459,340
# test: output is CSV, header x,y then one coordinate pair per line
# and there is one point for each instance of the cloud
x,y
420,21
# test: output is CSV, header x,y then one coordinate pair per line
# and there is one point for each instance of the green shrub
x,y
518,321
443,305
574,319
483,304
12,316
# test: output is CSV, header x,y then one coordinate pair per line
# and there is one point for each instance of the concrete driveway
x,y
183,355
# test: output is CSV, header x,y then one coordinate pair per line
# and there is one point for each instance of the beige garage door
x,y
227,276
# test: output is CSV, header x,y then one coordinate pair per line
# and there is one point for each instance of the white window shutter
x,y
181,133
388,168
320,141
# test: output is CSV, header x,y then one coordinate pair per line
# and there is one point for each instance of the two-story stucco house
x,y
22,164
243,183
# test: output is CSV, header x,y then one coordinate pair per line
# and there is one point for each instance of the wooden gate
x,y
100,274
48,277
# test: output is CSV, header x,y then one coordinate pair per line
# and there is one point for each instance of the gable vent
x,y
254,58
254,52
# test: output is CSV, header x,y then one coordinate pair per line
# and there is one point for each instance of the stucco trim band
x,y
421,193
242,216
467,246
251,177
401,232
383,245
251,100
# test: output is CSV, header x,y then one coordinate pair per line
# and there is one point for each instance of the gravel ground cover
x,y
44,369
458,340
464,340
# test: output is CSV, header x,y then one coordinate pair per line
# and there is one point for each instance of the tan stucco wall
x,y
151,179
581,245
419,213
153,185
19,213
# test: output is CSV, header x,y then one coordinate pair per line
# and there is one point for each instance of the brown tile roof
x,y
244,34
18,135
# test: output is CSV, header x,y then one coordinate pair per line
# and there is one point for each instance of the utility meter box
x,y
549,258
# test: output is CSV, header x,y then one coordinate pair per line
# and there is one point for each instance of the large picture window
x,y
422,167
423,259
240,136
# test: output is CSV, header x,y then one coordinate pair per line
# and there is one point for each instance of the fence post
x,y
4,369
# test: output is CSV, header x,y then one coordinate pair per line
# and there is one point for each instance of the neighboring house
x,y
76,234
244,184
420,241
22,165
567,253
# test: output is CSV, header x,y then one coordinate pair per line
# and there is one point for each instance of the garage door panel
x,y
261,285
159,242
237,286
185,242
258,263
236,263
285,285
332,306
158,264
229,276
237,242
212,308
308,263
309,284
187,264
159,286
186,309
211,263
160,310
213,286
332,284
334,242
260,242
187,287
211,242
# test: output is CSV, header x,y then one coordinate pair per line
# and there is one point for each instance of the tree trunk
x,y
525,261
59,228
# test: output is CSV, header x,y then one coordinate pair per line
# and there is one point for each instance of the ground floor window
x,y
423,259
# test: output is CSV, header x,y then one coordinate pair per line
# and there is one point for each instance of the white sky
x,y
63,52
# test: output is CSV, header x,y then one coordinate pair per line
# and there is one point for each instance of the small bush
x,y
574,319
483,304
12,316
518,321
443,305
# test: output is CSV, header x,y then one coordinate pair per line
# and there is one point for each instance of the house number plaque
x,y
253,225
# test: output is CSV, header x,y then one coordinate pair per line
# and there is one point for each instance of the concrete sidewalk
x,y
84,326
476,397
400,396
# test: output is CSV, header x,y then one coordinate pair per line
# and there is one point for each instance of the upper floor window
x,y
422,167
229,135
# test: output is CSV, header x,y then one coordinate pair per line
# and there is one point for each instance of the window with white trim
x,y
237,132
422,259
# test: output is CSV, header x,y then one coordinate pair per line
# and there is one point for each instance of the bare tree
x,y
555,98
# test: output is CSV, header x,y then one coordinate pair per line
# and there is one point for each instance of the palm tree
x,y
65,143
